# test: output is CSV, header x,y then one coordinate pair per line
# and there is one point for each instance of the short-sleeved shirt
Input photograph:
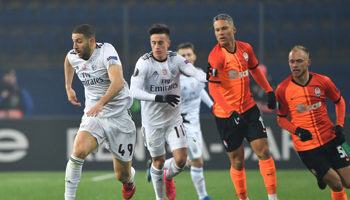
x,y
306,107
160,78
93,73
232,79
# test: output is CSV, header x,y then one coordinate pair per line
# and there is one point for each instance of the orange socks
x,y
339,195
268,171
239,181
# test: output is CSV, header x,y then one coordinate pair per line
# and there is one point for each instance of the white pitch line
x,y
103,177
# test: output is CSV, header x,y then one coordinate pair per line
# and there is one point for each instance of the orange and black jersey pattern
x,y
307,109
230,88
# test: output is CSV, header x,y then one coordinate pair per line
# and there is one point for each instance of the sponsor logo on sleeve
x,y
112,58
186,61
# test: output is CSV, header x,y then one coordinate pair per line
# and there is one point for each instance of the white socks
x,y
158,182
167,163
272,196
198,181
173,170
131,180
73,174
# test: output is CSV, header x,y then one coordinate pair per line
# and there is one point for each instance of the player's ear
x,y
169,42
92,41
234,29
194,57
309,62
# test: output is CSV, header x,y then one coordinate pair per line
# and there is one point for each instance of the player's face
x,y
224,32
299,62
188,54
160,44
10,79
82,45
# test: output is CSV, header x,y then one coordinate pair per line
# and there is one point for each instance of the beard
x,y
86,53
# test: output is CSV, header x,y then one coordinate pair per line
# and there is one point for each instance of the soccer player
x,y
106,116
156,82
192,93
237,116
302,96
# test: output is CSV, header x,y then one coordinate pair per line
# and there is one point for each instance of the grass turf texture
x,y
292,184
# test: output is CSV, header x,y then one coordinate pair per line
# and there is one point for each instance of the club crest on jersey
x,y
318,91
245,56
84,67
164,71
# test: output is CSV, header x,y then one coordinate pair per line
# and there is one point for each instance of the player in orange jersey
x,y
236,113
302,96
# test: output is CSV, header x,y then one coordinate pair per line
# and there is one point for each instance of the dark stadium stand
x,y
37,34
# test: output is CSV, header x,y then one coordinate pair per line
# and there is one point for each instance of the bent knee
x,y
263,154
80,153
181,162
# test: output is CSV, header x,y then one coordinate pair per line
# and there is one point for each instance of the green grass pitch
x,y
292,185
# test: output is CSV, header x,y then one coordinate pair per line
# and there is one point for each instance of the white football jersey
x,y
191,96
93,73
159,78
191,90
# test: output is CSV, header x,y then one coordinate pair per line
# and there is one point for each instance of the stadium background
x,y
36,35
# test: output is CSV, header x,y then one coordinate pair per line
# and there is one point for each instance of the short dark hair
x,y
86,29
159,29
186,45
224,16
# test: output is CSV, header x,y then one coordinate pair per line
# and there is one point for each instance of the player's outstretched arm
x,y
195,73
206,99
69,74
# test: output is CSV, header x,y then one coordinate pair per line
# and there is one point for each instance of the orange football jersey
x,y
306,107
230,88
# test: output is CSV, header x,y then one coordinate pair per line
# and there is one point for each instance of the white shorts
x,y
194,141
118,132
175,136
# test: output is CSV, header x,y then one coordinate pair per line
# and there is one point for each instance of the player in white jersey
x,y
156,82
106,116
192,93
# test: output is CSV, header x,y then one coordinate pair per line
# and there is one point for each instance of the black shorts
x,y
321,159
251,128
